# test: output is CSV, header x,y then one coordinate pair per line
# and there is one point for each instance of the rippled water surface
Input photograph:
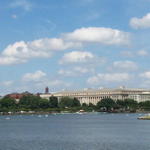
x,y
75,132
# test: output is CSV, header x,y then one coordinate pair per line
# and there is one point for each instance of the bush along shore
x,y
35,105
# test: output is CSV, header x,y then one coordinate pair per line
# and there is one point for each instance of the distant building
x,y
46,90
93,96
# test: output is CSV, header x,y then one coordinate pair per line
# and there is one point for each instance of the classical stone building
x,y
93,96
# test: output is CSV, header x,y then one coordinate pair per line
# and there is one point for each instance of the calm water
x,y
75,132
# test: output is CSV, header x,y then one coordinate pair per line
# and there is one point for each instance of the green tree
x,y
91,105
53,102
84,105
120,104
65,102
7,102
130,104
106,103
43,103
144,105
69,102
30,101
76,102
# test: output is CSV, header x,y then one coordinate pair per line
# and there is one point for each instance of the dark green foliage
x,y
69,102
30,101
144,105
91,105
7,102
53,102
76,102
130,104
106,103
43,103
84,105
109,104
120,104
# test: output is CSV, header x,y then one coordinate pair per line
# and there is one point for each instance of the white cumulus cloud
x,y
108,77
21,52
52,44
143,22
145,75
82,57
77,57
100,35
35,76
142,53
7,83
125,65
76,71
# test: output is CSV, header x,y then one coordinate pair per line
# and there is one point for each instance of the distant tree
x,y
43,103
76,103
53,102
30,101
130,104
120,104
91,105
65,102
84,105
144,105
7,102
69,102
106,103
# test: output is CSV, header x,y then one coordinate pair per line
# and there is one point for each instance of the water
x,y
75,132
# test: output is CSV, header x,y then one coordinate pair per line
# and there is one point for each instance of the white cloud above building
x,y
142,53
101,78
140,23
76,71
100,35
125,65
145,75
76,57
34,77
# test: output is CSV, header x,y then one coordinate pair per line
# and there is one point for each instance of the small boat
x,y
81,112
7,118
46,115
146,117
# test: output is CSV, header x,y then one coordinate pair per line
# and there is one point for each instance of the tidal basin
x,y
101,131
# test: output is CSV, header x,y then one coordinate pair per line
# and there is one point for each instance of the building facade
x,y
93,96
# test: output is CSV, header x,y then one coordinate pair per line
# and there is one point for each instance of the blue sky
x,y
73,44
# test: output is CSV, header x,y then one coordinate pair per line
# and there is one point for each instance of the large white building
x,y
93,96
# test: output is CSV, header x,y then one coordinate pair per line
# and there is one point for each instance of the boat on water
x,y
7,118
81,112
146,117
46,115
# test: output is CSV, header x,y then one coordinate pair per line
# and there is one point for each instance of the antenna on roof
x,y
122,87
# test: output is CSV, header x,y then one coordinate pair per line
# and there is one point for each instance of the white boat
x,y
46,115
7,118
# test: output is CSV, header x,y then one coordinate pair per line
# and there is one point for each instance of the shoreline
x,y
69,112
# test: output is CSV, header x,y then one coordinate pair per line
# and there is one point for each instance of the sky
x,y
74,44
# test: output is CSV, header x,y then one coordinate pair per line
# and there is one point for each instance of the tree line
x,y
36,103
